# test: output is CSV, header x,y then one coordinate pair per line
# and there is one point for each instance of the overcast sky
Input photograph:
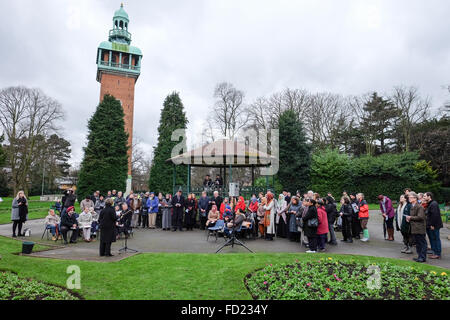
x,y
346,47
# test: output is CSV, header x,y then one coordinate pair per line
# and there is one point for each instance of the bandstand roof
x,y
223,153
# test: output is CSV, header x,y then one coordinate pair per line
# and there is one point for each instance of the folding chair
x,y
214,230
236,231
46,231
246,229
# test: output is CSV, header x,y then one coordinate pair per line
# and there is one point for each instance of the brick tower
x,y
118,68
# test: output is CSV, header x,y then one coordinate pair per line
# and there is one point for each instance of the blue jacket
x,y
152,205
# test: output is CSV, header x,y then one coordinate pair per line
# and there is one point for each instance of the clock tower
x,y
118,68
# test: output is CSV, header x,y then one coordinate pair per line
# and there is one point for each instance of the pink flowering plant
x,y
326,279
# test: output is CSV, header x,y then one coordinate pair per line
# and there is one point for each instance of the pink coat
x,y
323,221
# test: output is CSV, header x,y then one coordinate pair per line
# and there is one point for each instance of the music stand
x,y
127,225
233,240
125,248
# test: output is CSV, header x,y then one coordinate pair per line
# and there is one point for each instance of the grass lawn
x,y
164,275
36,209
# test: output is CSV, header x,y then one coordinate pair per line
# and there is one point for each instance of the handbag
x,y
313,223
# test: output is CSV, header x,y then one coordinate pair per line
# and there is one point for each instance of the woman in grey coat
x,y
292,212
19,213
166,208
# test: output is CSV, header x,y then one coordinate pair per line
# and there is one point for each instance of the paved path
x,y
195,242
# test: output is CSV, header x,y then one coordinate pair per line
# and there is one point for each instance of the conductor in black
x,y
107,222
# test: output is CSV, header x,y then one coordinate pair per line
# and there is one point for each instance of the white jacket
x,y
85,220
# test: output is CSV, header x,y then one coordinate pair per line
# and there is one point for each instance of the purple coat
x,y
389,209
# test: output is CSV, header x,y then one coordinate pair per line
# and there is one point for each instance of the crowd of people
x,y
309,219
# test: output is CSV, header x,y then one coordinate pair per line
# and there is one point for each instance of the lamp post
x,y
43,176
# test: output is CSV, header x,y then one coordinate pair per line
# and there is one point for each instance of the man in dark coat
x,y
219,182
287,198
204,207
331,210
216,200
69,222
178,207
434,224
95,196
69,200
107,222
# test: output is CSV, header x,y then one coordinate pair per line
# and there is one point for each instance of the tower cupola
x,y
119,32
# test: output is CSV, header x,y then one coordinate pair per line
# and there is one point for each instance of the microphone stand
x,y
233,240
125,247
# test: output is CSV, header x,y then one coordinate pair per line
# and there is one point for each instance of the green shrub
x,y
330,172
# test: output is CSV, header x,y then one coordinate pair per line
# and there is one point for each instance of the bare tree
x,y
140,166
413,109
264,113
209,133
298,100
25,115
329,114
229,110
259,114
356,106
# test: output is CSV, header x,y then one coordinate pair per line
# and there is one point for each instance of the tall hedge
x,y
387,174
330,172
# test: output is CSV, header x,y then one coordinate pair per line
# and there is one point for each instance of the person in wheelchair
x,y
124,222
234,224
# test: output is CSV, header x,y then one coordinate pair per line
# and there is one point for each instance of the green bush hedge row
x,y
387,174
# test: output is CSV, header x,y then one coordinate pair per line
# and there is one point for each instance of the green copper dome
x,y
121,13
117,56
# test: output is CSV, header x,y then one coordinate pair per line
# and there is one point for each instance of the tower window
x,y
121,24
115,23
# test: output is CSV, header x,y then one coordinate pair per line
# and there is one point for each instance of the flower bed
x,y
326,279
14,288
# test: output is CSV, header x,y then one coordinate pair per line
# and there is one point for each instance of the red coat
x,y
363,209
222,210
253,207
240,205
323,221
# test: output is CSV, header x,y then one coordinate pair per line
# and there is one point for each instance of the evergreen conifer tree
x,y
295,153
105,163
172,117
378,123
